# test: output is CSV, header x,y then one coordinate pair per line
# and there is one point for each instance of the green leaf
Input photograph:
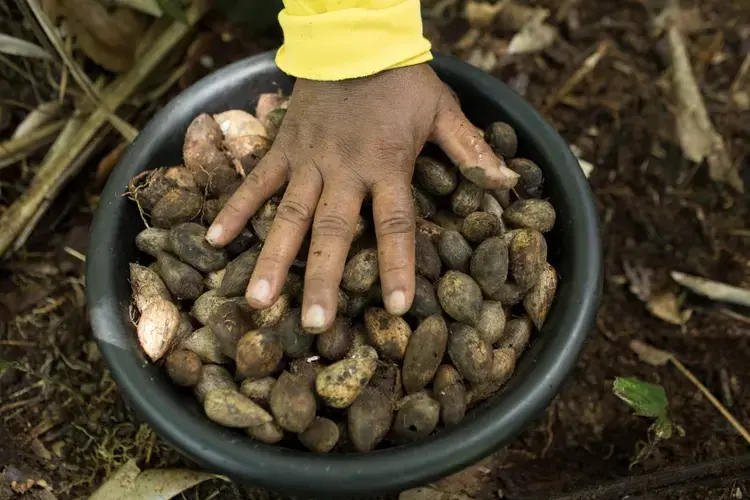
x,y
646,399
173,8
18,47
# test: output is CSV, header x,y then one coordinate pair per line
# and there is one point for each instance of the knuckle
x,y
396,269
257,177
396,222
294,212
332,225
268,259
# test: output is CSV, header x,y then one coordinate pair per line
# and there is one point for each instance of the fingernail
x,y
397,303
214,233
315,317
260,291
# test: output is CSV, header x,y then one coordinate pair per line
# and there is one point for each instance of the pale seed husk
x,y
203,343
237,123
157,328
231,409
147,286
342,382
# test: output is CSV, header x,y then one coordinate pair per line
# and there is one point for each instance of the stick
x,y
13,150
587,67
714,290
668,477
45,182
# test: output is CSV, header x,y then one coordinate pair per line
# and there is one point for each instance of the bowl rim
x,y
365,473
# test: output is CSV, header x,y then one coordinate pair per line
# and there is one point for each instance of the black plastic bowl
x,y
574,250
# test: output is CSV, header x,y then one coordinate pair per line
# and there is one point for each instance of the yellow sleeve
x,y
340,39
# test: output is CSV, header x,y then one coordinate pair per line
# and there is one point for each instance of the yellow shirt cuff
x,y
351,43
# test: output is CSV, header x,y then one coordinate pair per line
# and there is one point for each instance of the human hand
x,y
340,142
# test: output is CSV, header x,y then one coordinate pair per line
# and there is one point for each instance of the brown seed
x,y
268,102
183,281
359,336
387,333
188,242
157,328
259,390
427,259
341,383
273,122
435,177
210,300
448,389
509,294
229,322
203,155
478,226
203,343
527,254
360,228
258,353
334,343
425,301
212,281
489,265
211,209
175,207
430,229
213,377
417,417
321,436
387,380
231,409
460,297
308,369
491,321
269,433
492,206
448,220
294,340
147,286
237,123
241,243
424,206
184,368
503,364
263,220
181,177
293,286
502,139
292,403
152,240
424,353
369,419
516,335
351,304
238,273
466,198
271,316
361,272
469,352
246,152
185,329
532,178
531,213
502,196
148,187
538,300
455,251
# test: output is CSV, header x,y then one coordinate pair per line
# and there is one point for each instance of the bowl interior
x,y
574,251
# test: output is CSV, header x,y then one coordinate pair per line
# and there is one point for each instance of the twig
x,y
713,290
665,478
587,67
46,182
698,137
15,149
741,74
659,357
127,130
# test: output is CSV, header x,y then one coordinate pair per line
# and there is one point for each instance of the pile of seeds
x,y
373,380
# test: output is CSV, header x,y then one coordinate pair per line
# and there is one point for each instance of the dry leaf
x,y
650,354
481,14
713,290
640,280
666,307
18,47
129,483
535,36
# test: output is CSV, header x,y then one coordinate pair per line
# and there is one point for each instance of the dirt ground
x,y
61,417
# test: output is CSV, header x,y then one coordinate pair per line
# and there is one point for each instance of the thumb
x,y
465,146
